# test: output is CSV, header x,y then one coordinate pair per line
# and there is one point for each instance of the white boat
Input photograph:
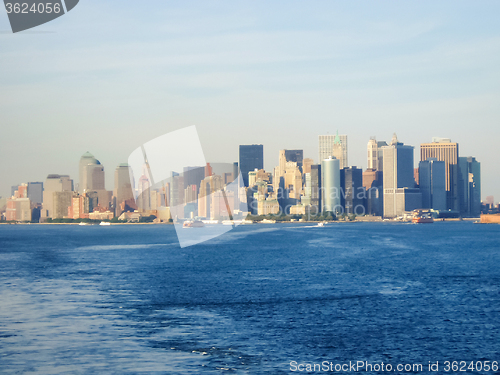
x,y
321,224
193,224
104,223
267,221
210,221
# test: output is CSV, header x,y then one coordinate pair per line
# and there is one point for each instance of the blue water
x,y
127,299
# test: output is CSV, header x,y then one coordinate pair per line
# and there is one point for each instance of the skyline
x,y
107,78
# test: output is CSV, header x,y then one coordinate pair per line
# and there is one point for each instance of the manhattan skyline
x,y
275,74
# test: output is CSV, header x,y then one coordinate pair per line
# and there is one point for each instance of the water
x,y
128,299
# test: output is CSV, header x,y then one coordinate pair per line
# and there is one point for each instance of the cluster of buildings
x,y
444,182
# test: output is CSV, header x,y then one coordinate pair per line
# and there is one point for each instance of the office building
x,y
442,149
375,154
62,200
296,156
55,183
330,182
353,197
18,209
251,158
123,188
432,183
333,145
35,192
373,184
91,174
316,188
469,186
400,194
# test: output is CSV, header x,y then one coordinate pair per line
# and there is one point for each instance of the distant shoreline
x,y
476,220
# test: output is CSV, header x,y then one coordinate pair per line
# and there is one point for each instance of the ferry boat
x,y
104,223
193,224
422,218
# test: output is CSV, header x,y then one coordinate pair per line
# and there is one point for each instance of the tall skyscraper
x,y
372,154
316,188
469,186
330,175
123,188
296,156
432,183
333,145
373,183
35,192
353,194
53,184
400,194
442,149
91,174
251,157
375,154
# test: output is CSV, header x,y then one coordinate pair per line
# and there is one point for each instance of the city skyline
x,y
109,174
276,74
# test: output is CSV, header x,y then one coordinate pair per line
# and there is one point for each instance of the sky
x,y
109,76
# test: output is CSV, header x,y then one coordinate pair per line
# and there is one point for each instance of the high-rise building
x,y
373,184
307,165
400,194
91,174
375,154
330,182
251,157
333,145
62,200
35,192
469,186
123,188
54,183
144,189
442,149
372,154
18,209
432,183
296,156
316,188
353,194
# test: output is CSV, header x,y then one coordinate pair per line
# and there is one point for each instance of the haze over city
x,y
275,74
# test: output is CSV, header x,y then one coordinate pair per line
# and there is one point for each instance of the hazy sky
x,y
111,75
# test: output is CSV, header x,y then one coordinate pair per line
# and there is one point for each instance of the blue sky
x,y
109,76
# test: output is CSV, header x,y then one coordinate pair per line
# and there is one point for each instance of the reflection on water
x,y
127,299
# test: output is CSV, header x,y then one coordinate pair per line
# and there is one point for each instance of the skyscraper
x,y
91,174
442,149
330,175
432,183
251,157
400,194
53,184
372,154
353,193
296,156
123,188
375,154
333,145
316,188
35,192
469,186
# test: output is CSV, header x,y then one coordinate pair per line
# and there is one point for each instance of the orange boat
x,y
422,218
